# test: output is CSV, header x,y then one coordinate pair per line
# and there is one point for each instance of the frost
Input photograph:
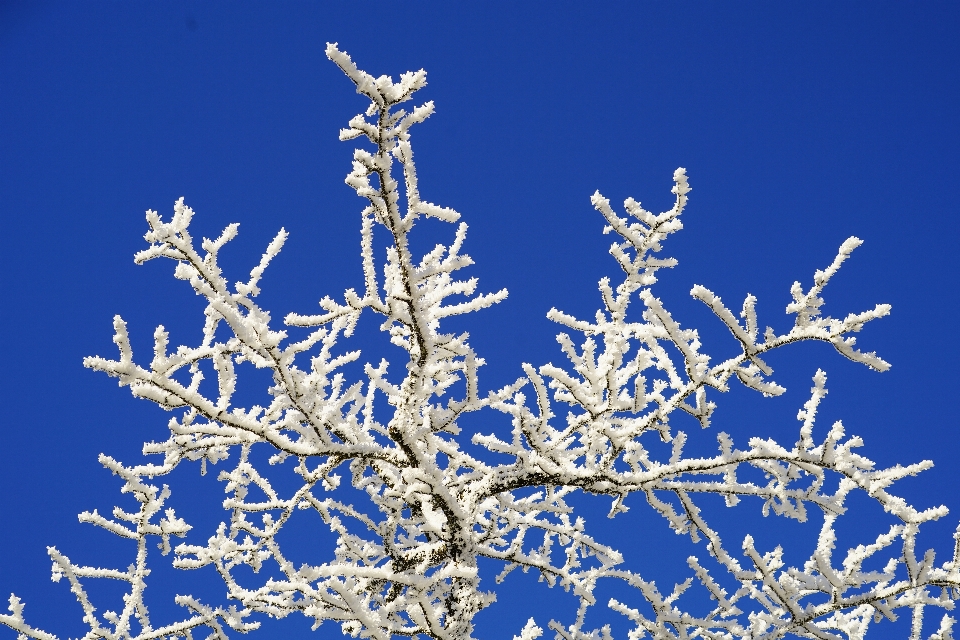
x,y
405,563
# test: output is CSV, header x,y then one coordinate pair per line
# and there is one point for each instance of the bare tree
x,y
406,560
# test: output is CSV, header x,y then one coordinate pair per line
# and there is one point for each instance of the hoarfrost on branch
x,y
406,562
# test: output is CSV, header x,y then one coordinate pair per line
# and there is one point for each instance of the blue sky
x,y
800,124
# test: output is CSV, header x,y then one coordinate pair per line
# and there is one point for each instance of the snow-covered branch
x,y
133,621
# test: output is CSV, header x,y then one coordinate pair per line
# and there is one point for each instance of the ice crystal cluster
x,y
405,561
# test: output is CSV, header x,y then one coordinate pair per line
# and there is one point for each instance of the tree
x,y
406,560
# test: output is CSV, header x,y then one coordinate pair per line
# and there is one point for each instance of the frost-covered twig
x,y
133,621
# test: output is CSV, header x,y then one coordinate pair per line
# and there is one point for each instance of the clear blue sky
x,y
800,124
